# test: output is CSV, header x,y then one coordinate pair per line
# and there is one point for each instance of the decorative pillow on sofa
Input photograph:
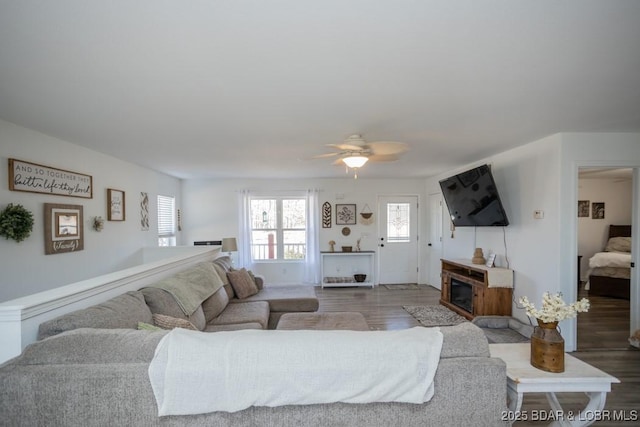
x,y
168,322
257,281
243,285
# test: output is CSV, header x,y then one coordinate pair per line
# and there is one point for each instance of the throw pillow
x,y
242,284
168,322
147,327
215,304
225,280
256,281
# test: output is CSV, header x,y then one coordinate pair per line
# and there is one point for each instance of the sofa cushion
x,y
287,298
225,280
162,302
233,327
224,262
245,312
168,322
214,305
242,284
93,346
123,311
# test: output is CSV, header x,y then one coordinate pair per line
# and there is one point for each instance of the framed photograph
x,y
63,228
597,210
345,214
115,205
583,208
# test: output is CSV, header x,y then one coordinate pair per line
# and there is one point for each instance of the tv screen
x,y
473,200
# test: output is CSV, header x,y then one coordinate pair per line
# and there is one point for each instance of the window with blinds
x,y
166,221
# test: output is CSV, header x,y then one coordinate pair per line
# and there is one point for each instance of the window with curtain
x,y
278,228
166,221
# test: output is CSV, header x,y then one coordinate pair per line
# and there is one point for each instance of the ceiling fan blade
x,y
324,156
388,147
347,147
383,158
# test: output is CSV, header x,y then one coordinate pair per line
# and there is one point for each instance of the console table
x,y
338,268
578,376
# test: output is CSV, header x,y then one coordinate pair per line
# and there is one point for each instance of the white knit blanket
x,y
196,372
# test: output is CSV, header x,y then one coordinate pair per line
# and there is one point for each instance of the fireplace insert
x,y
462,295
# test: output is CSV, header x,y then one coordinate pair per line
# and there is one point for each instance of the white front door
x,y
397,239
436,227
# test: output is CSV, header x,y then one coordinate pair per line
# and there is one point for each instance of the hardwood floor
x,y
601,344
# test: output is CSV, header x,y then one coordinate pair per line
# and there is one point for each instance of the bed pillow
x,y
618,244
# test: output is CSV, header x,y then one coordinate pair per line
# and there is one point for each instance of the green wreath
x,y
15,222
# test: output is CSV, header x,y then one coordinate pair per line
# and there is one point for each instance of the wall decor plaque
x,y
115,205
35,178
345,214
63,228
326,215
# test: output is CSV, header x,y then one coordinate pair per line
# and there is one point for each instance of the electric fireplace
x,y
462,295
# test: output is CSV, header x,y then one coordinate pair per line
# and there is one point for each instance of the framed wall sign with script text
x,y
34,178
115,205
63,228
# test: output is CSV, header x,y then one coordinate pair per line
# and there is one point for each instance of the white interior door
x,y
436,227
398,239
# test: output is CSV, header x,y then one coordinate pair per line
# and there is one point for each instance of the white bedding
x,y
194,372
610,259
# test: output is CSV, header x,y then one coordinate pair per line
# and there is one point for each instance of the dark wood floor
x,y
602,342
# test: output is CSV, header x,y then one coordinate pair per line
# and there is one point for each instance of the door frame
x,y
569,271
418,231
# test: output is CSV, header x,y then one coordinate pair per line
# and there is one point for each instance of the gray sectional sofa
x,y
90,368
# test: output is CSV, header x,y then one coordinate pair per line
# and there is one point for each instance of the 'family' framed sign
x,y
34,178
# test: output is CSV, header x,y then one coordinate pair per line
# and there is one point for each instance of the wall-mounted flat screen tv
x,y
472,199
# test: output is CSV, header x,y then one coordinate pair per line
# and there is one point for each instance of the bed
x,y
610,270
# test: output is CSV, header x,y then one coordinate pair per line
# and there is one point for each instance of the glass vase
x,y
547,347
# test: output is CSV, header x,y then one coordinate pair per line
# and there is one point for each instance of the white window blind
x,y
166,221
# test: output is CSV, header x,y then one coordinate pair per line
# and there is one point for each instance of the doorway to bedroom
x,y
605,216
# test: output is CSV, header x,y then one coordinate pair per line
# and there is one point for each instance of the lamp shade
x,y
355,161
229,244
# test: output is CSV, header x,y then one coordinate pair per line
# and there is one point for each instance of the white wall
x,y
25,268
211,212
526,179
593,233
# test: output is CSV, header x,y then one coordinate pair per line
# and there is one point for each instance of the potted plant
x,y
16,222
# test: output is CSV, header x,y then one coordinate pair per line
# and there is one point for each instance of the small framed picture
x,y
63,231
115,205
490,260
597,210
583,209
345,214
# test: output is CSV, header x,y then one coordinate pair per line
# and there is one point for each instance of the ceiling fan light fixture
x,y
355,162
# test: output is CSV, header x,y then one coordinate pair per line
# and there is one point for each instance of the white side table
x,y
578,376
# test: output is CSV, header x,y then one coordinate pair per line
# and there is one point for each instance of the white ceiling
x,y
200,89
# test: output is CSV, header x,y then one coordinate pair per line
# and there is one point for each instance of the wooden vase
x,y
547,347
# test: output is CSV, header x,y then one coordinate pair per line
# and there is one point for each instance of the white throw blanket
x,y
196,372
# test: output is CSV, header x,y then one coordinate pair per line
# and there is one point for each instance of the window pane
x,y
166,221
398,222
294,214
294,244
264,244
263,214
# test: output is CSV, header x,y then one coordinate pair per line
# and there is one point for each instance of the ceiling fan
x,y
354,152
